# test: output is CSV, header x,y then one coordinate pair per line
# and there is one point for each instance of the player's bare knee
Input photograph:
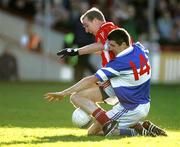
x,y
74,98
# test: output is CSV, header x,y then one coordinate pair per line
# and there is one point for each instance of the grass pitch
x,y
26,119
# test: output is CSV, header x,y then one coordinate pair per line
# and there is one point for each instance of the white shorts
x,y
128,118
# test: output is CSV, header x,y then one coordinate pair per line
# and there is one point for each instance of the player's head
x,y
118,40
92,20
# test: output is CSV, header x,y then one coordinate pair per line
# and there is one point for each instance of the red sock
x,y
100,116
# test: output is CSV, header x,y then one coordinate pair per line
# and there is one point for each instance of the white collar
x,y
126,51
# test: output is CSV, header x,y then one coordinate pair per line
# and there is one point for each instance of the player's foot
x,y
142,131
153,128
109,127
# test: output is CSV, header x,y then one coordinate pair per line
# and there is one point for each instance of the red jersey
x,y
101,36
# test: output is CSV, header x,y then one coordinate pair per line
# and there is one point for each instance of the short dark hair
x,y
119,36
92,14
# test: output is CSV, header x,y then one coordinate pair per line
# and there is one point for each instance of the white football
x,y
80,118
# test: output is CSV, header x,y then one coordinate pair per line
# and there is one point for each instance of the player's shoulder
x,y
140,46
105,29
108,26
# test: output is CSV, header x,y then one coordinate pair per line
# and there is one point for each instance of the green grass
x,y
26,119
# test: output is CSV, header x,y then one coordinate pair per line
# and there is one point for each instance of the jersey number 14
x,y
144,67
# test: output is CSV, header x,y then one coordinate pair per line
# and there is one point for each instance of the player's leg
x,y
96,128
87,99
93,94
86,102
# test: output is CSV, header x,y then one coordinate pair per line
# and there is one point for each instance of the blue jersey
x,y
129,73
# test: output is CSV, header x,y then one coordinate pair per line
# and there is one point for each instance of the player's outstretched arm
x,y
88,49
91,48
82,84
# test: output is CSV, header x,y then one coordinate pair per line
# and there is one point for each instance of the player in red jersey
x,y
94,22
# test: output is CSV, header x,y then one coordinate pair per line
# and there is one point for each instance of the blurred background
x,y
32,31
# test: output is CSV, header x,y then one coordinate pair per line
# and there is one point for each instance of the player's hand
x,y
68,52
54,96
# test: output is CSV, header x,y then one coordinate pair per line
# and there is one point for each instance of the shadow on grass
x,y
64,138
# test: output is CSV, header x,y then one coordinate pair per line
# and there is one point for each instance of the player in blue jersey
x,y
129,74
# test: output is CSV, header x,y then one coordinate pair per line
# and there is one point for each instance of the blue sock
x,y
127,132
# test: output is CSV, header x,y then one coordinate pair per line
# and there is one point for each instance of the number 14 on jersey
x,y
144,67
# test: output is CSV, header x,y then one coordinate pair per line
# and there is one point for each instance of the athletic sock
x,y
100,116
124,132
127,132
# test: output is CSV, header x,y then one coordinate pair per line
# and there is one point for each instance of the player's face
x,y
113,46
90,26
